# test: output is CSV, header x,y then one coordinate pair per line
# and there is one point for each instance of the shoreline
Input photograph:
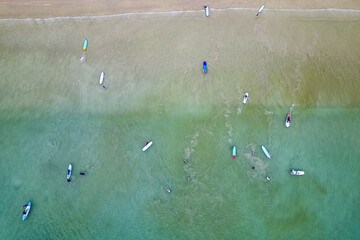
x,y
93,8
180,12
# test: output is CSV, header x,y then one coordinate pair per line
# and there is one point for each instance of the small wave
x,y
269,115
190,150
227,116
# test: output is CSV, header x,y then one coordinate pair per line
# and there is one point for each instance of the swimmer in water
x,y
168,190
185,161
188,178
253,167
253,153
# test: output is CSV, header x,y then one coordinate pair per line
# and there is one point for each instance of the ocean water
x,y
54,112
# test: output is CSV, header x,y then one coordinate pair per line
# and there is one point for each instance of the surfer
x,y
168,190
252,167
268,178
253,153
82,173
188,178
185,161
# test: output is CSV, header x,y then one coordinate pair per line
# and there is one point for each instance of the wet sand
x,y
60,8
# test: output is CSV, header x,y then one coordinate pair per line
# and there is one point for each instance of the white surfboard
x,y
245,98
102,78
68,176
147,146
261,8
206,10
266,152
298,173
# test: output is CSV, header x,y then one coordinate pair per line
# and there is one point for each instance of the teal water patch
x,y
54,112
124,193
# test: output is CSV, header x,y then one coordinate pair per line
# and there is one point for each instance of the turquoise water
x,y
54,112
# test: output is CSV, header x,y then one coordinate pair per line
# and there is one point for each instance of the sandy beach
x,y
60,8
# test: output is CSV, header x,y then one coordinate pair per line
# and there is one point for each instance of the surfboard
x,y
204,67
27,210
287,120
101,78
234,151
85,45
266,151
261,8
206,10
147,146
298,173
245,98
68,176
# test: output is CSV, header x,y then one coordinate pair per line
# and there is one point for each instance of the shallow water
x,y
54,112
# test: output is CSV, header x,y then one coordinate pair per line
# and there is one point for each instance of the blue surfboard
x,y
204,67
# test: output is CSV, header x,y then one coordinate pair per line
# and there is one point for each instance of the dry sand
x,y
58,8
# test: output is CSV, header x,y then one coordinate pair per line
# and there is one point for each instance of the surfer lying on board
x,y
25,208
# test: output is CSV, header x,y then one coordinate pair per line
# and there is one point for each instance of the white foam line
x,y
294,10
181,12
104,16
